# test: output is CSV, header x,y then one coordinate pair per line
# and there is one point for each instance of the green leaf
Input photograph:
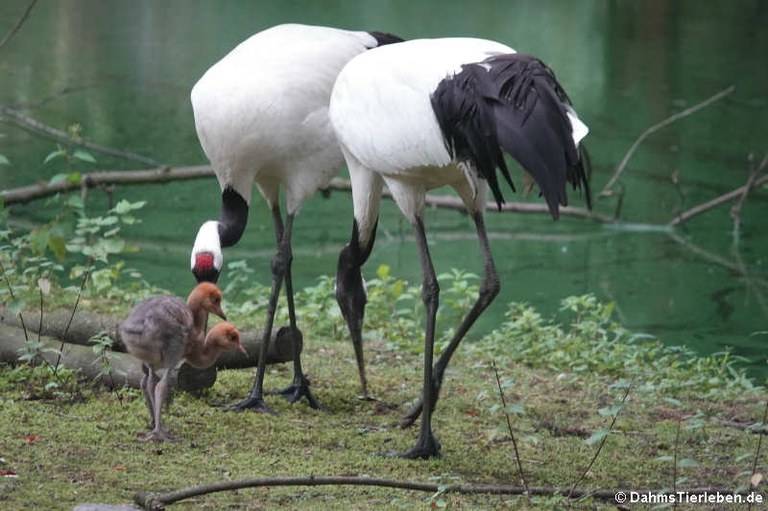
x,y
382,272
74,178
516,409
83,155
58,178
58,245
15,306
45,286
113,246
609,411
4,160
665,458
687,463
55,154
597,436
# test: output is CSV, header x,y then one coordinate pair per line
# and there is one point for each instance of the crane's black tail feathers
x,y
512,102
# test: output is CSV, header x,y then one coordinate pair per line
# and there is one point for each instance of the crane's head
x,y
208,297
225,336
207,260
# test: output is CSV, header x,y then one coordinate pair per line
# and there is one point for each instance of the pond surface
x,y
123,70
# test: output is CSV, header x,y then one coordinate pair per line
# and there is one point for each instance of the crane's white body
x,y
391,132
261,112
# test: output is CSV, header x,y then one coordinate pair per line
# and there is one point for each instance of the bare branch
x,y
35,125
18,25
166,174
104,178
158,500
607,190
754,171
717,201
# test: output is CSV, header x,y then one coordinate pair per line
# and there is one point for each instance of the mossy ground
x,y
81,446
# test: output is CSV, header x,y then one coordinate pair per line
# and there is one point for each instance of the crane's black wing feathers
x,y
512,102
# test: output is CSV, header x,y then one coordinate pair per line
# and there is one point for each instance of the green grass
x,y
563,383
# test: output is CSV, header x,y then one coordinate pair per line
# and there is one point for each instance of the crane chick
x,y
164,331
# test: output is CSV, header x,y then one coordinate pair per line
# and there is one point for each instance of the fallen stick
x,y
158,501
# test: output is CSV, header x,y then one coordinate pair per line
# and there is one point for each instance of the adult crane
x,y
261,115
433,112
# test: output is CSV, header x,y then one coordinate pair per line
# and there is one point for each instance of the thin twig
x,y
13,297
34,124
158,500
74,309
656,127
602,441
754,171
757,452
717,201
509,426
18,25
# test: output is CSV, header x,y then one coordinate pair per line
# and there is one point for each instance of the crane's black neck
x,y
233,217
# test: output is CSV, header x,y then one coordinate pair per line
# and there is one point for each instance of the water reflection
x,y
123,70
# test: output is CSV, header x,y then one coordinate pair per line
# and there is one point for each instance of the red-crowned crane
x,y
426,113
261,115
163,331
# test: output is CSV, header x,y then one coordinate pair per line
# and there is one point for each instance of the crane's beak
x,y
220,313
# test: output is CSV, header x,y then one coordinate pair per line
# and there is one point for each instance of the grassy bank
x,y
676,416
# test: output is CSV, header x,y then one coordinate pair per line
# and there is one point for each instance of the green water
x,y
128,67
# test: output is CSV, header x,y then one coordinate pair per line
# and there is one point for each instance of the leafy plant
x,y
592,342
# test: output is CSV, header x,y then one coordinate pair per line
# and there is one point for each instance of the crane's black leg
x,y
489,289
427,445
351,297
300,386
255,400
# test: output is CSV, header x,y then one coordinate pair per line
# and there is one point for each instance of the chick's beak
x,y
220,313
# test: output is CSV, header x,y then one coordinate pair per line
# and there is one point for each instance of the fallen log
x,y
86,325
126,370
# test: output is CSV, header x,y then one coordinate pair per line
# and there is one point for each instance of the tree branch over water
x,y
33,124
12,32
607,189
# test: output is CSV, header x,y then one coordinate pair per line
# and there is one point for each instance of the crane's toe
x,y
425,448
299,389
157,435
256,404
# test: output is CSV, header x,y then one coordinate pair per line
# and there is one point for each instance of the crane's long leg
x,y
280,271
489,289
148,382
427,445
160,392
300,386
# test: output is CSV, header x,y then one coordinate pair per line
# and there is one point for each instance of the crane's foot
x,y
425,448
295,391
256,404
367,397
157,435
